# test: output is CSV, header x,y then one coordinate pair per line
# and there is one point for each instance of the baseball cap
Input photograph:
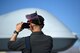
x,y
35,18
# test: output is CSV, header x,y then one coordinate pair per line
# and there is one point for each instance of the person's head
x,y
36,22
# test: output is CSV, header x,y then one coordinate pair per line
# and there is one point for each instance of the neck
x,y
36,29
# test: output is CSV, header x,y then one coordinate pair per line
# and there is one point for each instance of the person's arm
x,y
14,37
18,29
13,44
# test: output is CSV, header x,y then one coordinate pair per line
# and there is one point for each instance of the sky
x,y
68,11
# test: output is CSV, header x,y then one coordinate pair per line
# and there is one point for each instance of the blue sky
x,y
68,11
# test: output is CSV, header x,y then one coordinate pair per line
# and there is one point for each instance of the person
x,y
37,42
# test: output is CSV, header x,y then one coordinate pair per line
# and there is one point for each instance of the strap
x,y
27,39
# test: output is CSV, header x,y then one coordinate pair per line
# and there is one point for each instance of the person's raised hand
x,y
18,27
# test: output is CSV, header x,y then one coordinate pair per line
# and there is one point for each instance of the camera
x,y
25,25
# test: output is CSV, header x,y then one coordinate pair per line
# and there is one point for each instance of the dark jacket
x,y
22,44
38,42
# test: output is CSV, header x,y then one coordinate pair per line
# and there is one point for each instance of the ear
x,y
32,24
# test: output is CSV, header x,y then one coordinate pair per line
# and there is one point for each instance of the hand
x,y
18,27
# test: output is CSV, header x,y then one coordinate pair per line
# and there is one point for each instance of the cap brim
x,y
31,16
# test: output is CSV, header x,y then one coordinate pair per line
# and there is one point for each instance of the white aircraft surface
x,y
63,37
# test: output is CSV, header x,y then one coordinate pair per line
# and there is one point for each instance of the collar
x,y
37,33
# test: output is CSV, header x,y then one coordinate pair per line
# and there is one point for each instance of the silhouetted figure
x,y
37,42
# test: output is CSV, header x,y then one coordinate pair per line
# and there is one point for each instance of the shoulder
x,y
48,36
